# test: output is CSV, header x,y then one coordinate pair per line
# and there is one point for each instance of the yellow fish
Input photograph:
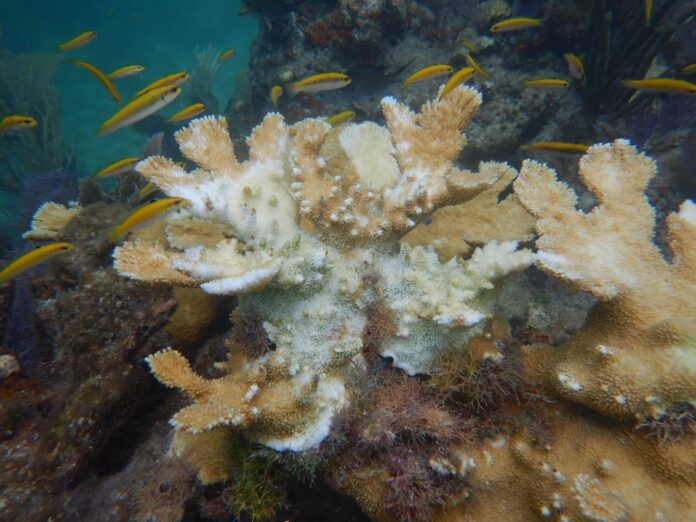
x,y
17,121
427,73
101,77
226,55
126,70
472,63
470,46
276,93
515,24
460,76
117,167
667,85
243,11
319,82
575,66
78,41
559,146
144,215
140,108
31,259
176,78
689,69
341,117
147,190
647,7
547,83
187,112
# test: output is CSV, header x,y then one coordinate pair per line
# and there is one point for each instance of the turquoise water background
x,y
162,35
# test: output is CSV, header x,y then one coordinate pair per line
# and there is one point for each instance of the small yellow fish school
x,y
32,258
144,215
318,83
76,42
17,121
427,73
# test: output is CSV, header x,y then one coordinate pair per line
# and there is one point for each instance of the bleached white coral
x,y
314,287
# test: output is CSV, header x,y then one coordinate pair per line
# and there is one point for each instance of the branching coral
x,y
317,287
635,357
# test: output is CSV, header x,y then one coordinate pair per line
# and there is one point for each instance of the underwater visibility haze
x,y
348,260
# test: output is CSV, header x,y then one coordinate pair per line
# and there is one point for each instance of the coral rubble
x,y
311,249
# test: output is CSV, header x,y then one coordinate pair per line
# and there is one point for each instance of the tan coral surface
x,y
636,356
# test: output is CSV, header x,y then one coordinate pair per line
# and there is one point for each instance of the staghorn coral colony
x,y
381,364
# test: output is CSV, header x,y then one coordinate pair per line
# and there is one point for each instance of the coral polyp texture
x,y
636,356
306,234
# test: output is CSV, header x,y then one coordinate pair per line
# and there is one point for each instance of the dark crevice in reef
x,y
123,442
318,502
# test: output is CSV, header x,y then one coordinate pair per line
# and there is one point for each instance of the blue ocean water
x,y
162,35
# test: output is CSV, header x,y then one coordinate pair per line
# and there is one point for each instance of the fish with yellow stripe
x,y
105,81
559,146
515,24
117,167
188,112
125,71
457,78
575,66
275,94
226,55
480,70
14,122
340,118
665,85
31,259
427,73
176,79
144,215
140,108
147,190
547,83
76,42
318,82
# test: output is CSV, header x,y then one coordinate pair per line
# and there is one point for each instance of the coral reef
x,y
361,187
634,357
